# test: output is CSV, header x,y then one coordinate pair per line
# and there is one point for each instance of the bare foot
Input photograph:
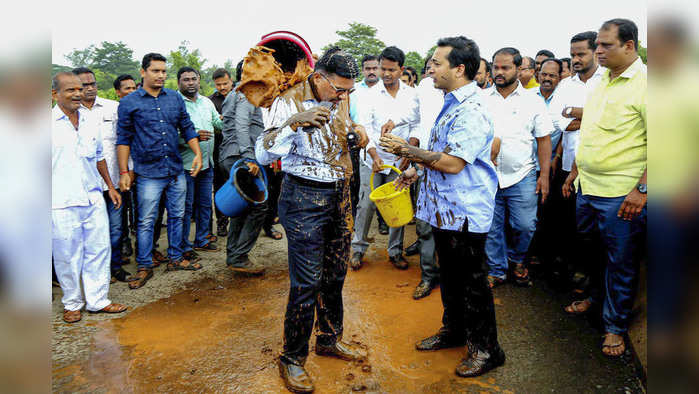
x,y
613,345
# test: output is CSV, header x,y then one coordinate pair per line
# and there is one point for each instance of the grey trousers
x,y
365,213
428,262
243,230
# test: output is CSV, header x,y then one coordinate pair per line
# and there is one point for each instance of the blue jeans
x,y
149,192
115,231
198,200
518,202
622,241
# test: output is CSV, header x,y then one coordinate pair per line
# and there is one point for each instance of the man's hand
x,y
125,181
196,165
405,179
387,127
253,168
316,117
115,197
377,165
495,151
204,135
633,205
392,143
568,187
542,186
403,164
363,137
554,165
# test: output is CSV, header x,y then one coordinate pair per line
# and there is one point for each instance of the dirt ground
x,y
211,331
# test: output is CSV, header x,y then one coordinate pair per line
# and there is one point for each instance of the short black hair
x,y
566,60
122,77
368,58
82,70
412,70
220,73
546,53
589,36
514,52
408,73
531,61
627,30
239,70
149,57
186,69
463,51
335,61
557,61
487,65
424,67
393,54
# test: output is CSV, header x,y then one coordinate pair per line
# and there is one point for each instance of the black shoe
x,y
480,362
191,256
208,247
383,228
413,249
222,227
423,289
247,267
439,341
121,275
341,350
126,249
295,377
356,261
399,262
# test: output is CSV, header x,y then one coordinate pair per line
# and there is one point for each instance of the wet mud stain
x,y
224,336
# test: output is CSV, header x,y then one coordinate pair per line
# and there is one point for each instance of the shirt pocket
x,y
87,147
611,116
152,153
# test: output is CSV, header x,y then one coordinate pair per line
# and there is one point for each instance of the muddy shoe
x,y
341,350
247,267
399,262
356,261
383,228
441,340
423,290
295,377
480,362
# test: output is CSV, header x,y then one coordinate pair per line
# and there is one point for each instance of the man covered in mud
x,y
457,198
308,127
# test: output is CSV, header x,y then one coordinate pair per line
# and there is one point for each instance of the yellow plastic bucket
x,y
395,206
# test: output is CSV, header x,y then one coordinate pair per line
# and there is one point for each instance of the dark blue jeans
x,y
319,244
622,241
197,201
115,231
149,192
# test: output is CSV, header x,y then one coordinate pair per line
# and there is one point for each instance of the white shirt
x,y
104,114
431,101
378,107
75,180
518,120
578,91
356,98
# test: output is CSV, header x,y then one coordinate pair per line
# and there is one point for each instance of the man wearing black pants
x,y
457,198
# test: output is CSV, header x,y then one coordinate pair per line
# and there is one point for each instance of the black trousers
x,y
274,181
319,244
469,313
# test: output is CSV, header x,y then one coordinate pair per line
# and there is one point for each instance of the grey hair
x,y
55,81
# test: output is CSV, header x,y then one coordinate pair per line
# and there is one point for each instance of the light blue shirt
x,y
75,181
358,90
448,201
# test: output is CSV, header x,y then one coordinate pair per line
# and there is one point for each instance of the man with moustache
x,y
223,84
527,72
539,59
522,137
457,199
80,226
391,103
483,74
610,172
151,120
314,208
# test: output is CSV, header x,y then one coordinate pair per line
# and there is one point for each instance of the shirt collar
x,y
98,103
519,90
401,86
143,92
631,70
198,97
465,91
58,114
598,73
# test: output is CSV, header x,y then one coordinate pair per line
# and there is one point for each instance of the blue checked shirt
x,y
152,127
448,201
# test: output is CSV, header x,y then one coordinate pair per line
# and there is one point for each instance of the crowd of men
x,y
515,164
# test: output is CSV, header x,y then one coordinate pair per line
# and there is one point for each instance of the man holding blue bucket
x,y
457,198
308,129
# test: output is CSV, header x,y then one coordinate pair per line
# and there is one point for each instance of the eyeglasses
x,y
337,91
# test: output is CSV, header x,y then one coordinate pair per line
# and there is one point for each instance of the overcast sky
x,y
227,30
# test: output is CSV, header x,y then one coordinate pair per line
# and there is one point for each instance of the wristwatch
x,y
642,188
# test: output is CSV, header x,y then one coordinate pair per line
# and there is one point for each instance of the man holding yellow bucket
x,y
457,198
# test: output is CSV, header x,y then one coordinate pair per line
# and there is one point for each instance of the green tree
x,y
358,40
115,59
185,56
643,53
414,60
81,57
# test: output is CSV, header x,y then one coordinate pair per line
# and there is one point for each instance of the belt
x,y
316,184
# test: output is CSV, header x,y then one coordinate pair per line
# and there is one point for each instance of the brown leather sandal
x,y
140,278
72,316
112,308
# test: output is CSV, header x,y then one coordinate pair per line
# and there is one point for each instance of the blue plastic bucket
x,y
241,190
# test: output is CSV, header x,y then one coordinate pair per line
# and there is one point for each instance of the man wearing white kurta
x,y
80,226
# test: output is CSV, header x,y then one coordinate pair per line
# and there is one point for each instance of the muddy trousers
x,y
469,313
313,217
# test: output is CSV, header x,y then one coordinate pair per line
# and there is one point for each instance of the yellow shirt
x,y
612,152
532,83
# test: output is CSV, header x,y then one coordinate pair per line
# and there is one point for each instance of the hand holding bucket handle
x,y
395,205
371,179
240,162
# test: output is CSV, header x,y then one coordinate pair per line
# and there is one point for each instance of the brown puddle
x,y
225,336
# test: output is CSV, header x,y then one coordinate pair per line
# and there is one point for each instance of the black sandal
x,y
178,266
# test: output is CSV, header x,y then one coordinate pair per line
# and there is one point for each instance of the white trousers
x,y
81,250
